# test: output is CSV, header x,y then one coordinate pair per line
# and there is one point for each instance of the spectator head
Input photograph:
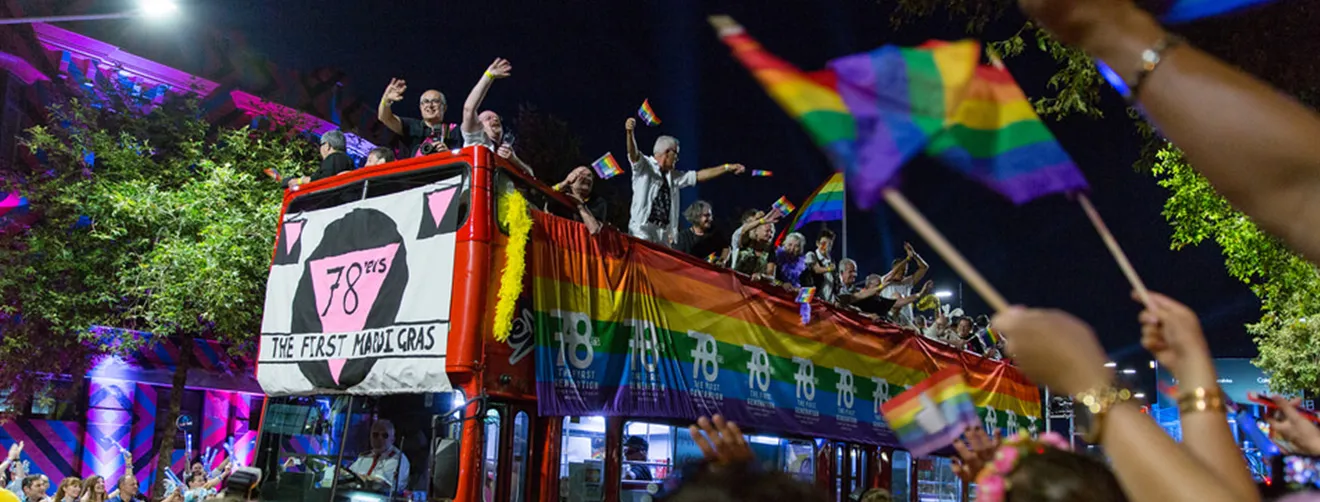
x,y
700,215
751,215
965,326
196,480
34,486
95,486
877,494
903,270
380,155
795,243
983,320
492,125
636,448
128,485
583,181
433,106
825,241
1053,475
741,483
333,141
874,280
70,488
382,436
197,466
848,270
666,152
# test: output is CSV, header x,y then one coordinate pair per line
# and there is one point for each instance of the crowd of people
x,y
195,484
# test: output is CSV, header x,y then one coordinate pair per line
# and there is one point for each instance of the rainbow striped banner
x,y
626,329
647,114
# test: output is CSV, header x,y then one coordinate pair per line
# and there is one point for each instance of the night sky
x,y
591,63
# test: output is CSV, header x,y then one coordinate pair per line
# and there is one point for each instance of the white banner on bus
x,y
358,295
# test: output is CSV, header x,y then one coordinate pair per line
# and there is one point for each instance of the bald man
x,y
416,134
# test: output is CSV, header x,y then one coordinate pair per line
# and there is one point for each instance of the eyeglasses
x,y
432,102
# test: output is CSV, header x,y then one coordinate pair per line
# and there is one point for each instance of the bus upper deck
x,y
379,352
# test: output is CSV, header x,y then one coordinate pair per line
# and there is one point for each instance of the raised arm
x,y
497,70
717,171
922,266
1255,145
1173,334
633,155
393,94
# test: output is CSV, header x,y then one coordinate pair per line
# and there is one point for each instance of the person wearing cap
x,y
635,449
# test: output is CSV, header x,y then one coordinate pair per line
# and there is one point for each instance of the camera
x,y
433,145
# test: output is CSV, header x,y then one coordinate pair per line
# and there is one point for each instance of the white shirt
x,y
896,291
391,463
646,181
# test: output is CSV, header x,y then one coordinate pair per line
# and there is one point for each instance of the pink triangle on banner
x,y
438,203
292,231
336,367
346,286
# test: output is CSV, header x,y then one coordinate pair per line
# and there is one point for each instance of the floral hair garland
x,y
992,482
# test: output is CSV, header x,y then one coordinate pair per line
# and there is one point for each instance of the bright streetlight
x,y
1129,371
1111,364
943,294
154,9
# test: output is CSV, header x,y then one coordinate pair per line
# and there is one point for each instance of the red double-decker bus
x,y
385,379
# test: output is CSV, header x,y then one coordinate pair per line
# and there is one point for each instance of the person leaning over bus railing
x,y
486,128
1254,144
333,159
379,155
590,210
653,214
1059,351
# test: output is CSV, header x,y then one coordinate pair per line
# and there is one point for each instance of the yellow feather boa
x,y
518,219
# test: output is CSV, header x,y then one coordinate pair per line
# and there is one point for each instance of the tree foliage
x,y
1275,43
151,220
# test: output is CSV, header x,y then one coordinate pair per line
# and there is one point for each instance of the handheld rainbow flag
x,y
606,167
825,204
712,257
783,206
1179,11
812,100
647,114
805,295
994,337
932,414
761,174
275,175
997,139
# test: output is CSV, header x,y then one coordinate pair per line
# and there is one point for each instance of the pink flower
x,y
990,490
1005,459
1056,440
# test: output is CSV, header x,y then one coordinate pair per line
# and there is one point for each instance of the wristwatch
x,y
1091,407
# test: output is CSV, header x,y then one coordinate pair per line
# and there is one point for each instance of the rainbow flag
x,y
783,206
761,174
822,379
1180,11
997,139
712,257
805,295
933,413
901,98
994,337
812,100
606,167
274,174
647,114
825,204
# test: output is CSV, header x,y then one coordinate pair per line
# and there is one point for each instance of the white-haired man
x,y
486,128
655,183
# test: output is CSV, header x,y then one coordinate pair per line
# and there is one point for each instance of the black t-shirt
x,y
417,132
336,163
876,304
701,246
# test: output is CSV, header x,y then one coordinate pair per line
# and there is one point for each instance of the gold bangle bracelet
x,y
1202,399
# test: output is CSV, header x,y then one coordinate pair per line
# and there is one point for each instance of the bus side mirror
x,y
444,469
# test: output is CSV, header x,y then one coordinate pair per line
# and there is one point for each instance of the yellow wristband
x,y
488,75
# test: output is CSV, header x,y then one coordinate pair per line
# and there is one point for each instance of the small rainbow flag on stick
x,y
275,175
762,174
606,167
784,206
932,414
805,295
647,114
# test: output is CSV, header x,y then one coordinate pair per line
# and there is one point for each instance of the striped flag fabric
x,y
647,114
606,167
933,413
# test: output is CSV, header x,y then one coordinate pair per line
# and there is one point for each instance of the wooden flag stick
x,y
1114,249
946,251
